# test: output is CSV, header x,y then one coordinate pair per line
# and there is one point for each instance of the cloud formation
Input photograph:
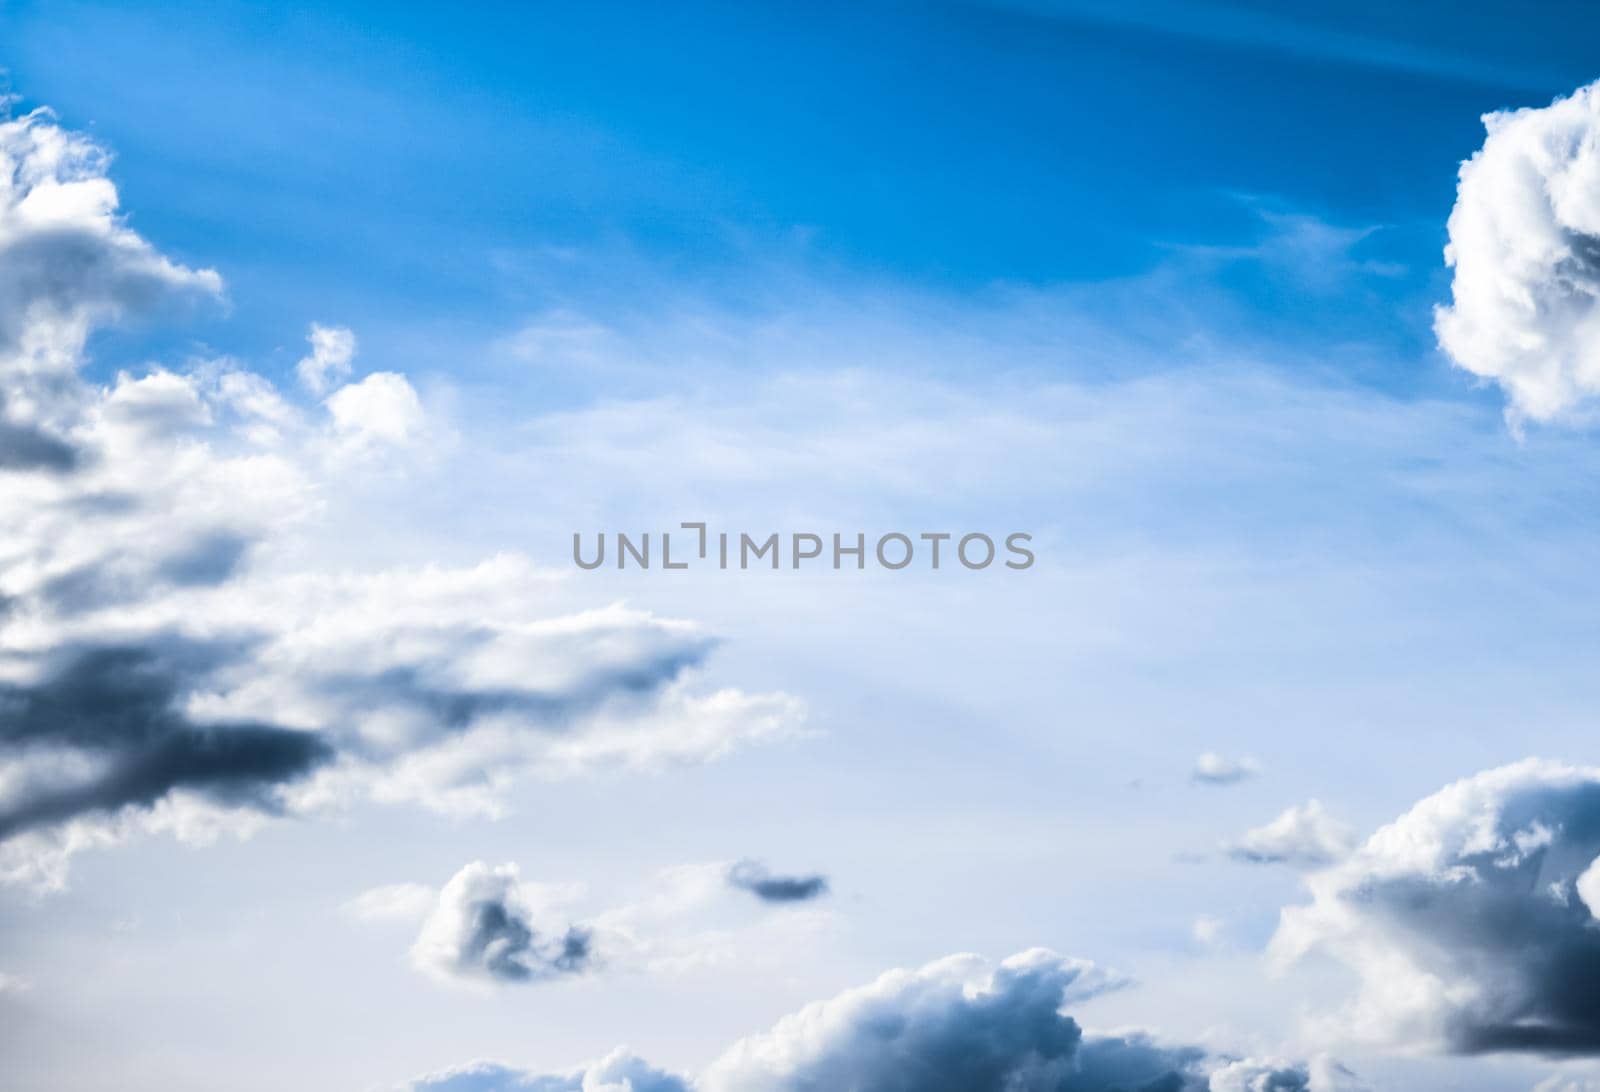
x,y
1303,835
754,877
1525,248
165,664
487,925
955,1025
332,350
117,704
1213,769
482,929
1467,919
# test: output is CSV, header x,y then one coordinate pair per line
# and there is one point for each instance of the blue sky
x,y
1155,283
350,159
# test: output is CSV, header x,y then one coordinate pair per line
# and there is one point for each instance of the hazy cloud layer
x,y
754,877
955,1025
163,663
1525,247
1466,919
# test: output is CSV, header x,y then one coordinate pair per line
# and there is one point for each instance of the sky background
x,y
1153,282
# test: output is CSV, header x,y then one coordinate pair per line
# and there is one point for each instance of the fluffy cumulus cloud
x,y
756,878
958,1024
483,929
1302,835
1470,920
1525,248
165,664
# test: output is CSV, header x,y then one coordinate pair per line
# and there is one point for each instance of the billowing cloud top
x,y
955,1025
1471,919
1525,246
163,663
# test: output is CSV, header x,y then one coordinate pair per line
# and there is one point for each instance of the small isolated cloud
x,y
754,877
332,350
1525,247
1468,919
410,902
959,1024
1303,835
481,929
13,983
1207,929
1213,769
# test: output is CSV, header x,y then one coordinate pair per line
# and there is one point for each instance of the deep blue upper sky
x,y
358,162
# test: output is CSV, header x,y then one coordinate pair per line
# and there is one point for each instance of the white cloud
x,y
406,902
1213,769
1562,1082
959,1024
487,925
381,409
483,928
1301,835
171,658
332,350
1463,918
1525,247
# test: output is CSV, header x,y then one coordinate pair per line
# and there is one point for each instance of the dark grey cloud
x,y
753,876
504,945
236,764
28,447
1471,920
120,704
952,1026
427,688
71,270
209,558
